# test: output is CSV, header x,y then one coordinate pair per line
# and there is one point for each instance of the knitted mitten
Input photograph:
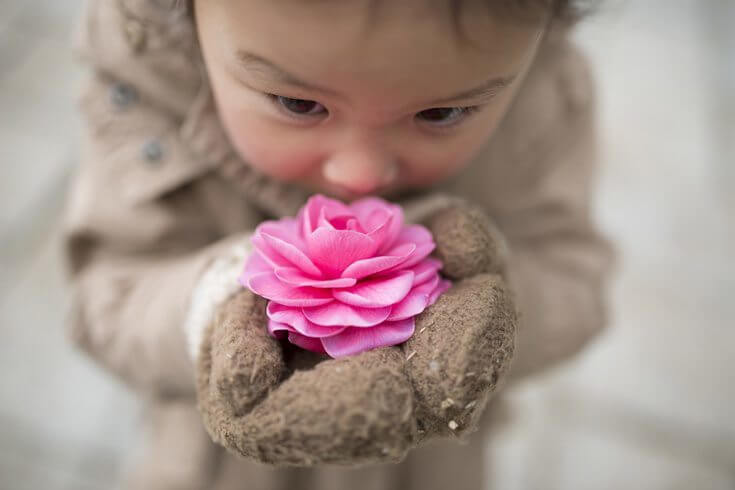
x,y
283,406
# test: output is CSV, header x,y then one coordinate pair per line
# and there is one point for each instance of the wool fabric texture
x,y
284,406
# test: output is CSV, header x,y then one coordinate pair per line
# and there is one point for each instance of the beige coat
x,y
160,193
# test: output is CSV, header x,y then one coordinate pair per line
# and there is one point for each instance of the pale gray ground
x,y
649,406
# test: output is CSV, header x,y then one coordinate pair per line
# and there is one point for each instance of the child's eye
x,y
299,107
445,116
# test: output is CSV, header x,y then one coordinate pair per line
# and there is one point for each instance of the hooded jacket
x,y
160,194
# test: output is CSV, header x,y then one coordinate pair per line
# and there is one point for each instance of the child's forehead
x,y
463,24
411,45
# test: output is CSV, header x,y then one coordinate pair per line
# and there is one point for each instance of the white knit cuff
x,y
218,283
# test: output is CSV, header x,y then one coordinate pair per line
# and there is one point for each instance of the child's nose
x,y
360,172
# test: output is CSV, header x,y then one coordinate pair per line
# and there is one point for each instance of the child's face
x,y
356,97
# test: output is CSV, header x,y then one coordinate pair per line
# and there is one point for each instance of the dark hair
x,y
558,12
564,12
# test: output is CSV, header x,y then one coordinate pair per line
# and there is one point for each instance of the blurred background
x,y
649,406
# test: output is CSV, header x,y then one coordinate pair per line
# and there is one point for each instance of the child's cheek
x,y
433,163
265,147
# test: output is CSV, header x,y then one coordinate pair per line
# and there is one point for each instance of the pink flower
x,y
343,279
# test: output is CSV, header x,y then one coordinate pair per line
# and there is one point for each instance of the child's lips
x,y
349,195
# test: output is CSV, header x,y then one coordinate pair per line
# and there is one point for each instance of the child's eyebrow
x,y
486,90
251,61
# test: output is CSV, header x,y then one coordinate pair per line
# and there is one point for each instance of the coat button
x,y
122,95
135,34
153,152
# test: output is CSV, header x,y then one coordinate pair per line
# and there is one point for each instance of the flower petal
x,y
355,340
417,234
254,265
354,225
439,290
287,229
381,233
308,216
276,328
415,302
266,284
373,265
383,291
337,219
378,218
273,258
365,206
308,343
340,314
292,253
295,277
421,252
334,250
426,270
295,320
373,212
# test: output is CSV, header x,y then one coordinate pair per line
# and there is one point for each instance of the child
x,y
206,118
